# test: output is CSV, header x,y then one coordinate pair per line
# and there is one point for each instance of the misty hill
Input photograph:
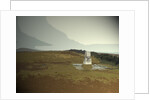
x,y
40,29
25,41
37,33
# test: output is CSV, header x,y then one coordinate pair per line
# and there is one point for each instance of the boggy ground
x,y
53,72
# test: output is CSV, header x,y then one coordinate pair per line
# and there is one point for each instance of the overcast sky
x,y
88,30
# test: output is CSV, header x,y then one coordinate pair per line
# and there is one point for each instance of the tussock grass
x,y
59,66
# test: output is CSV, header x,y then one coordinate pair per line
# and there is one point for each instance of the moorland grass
x,y
59,67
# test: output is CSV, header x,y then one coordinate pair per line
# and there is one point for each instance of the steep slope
x,y
25,41
39,28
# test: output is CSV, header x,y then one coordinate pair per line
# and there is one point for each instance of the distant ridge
x,y
26,50
74,50
25,41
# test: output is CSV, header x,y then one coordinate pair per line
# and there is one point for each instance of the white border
x,y
141,26
5,4
126,53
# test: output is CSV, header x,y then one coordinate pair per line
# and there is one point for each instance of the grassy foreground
x,y
53,72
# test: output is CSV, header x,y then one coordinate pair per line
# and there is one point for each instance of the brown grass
x,y
53,72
